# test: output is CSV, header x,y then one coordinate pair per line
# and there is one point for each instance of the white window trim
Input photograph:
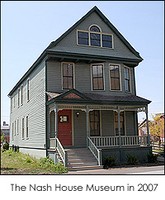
x,y
21,97
62,74
91,71
18,97
27,117
130,77
28,81
101,33
23,126
110,64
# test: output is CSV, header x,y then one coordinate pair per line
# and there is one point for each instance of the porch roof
x,y
75,97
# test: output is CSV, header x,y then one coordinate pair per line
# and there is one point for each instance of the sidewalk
x,y
124,170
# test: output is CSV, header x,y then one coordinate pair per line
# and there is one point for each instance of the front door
x,y
65,127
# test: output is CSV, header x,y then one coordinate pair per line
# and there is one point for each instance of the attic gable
x,y
68,41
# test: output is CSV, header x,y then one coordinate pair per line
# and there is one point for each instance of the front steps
x,y
81,159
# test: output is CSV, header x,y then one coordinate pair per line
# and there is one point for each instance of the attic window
x,y
95,37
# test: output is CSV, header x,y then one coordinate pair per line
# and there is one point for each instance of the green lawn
x,y
18,163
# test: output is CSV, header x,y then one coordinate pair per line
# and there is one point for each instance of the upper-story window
x,y
127,79
115,77
68,75
95,37
97,77
28,90
18,97
21,94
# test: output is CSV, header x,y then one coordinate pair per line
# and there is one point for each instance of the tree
x,y
157,127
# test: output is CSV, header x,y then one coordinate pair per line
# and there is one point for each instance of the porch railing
x,y
111,141
95,151
55,143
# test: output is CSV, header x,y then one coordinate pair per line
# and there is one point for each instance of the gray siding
x,y
35,110
107,123
130,123
83,82
79,129
69,43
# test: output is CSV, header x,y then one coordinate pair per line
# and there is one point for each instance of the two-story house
x,y
80,94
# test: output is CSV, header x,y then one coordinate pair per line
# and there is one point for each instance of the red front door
x,y
65,127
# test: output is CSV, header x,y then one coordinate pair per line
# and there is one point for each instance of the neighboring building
x,y
5,129
81,93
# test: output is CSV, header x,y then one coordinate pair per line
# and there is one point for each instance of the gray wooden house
x,y
78,100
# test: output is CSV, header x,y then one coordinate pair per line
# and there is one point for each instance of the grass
x,y
19,163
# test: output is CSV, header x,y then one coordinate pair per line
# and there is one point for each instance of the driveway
x,y
124,170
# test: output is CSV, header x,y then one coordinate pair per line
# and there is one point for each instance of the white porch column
x,y
147,126
87,122
118,116
56,121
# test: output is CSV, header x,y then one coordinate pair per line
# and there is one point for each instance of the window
x,y
23,129
95,37
97,77
18,97
27,127
11,104
122,132
28,90
83,38
94,117
21,94
127,79
17,126
114,77
67,71
12,131
107,40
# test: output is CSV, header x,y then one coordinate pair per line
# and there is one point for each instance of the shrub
x,y
6,146
132,160
109,162
152,158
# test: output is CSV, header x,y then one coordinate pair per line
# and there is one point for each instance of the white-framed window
x,y
115,77
28,90
68,75
11,104
27,127
122,123
12,133
94,37
23,128
18,97
127,79
21,94
17,126
97,76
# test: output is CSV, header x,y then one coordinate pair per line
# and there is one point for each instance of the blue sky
x,y
28,27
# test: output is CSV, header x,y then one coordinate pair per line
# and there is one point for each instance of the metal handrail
x,y
95,151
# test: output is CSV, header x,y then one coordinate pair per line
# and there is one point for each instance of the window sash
x,y
27,127
23,129
114,77
68,81
122,130
127,79
94,117
97,77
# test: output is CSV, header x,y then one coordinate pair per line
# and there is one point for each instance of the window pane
x,y
94,117
95,39
115,77
94,29
107,41
97,76
127,79
83,38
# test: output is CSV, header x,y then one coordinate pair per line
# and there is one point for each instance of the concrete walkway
x,y
124,170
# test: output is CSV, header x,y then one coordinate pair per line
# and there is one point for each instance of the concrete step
x,y
81,158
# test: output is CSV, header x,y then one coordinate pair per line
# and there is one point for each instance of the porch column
x,y
118,115
56,122
87,121
148,135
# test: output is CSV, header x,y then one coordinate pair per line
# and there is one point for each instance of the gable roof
x,y
109,24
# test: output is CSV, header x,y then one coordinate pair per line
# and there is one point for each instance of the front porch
x,y
77,121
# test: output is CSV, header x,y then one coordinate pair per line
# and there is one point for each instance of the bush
x,y
132,160
6,146
109,162
152,158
